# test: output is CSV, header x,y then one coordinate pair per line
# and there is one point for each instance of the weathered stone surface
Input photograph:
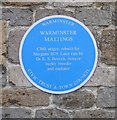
x,y
106,97
3,33
73,4
93,16
103,76
108,47
67,13
3,80
114,14
17,16
95,30
0,75
19,3
99,113
1,42
41,13
16,76
0,3
114,17
59,1
25,97
16,113
47,12
78,99
14,39
111,7
103,5
51,113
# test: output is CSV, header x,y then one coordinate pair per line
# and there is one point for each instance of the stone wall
x,y
20,99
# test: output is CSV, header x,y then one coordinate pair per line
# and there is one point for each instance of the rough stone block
x,y
114,17
64,12
93,16
51,113
16,113
76,100
24,97
22,3
103,5
73,4
3,34
16,76
106,97
3,79
108,46
14,39
41,13
99,113
103,76
114,14
95,30
17,16
0,75
110,7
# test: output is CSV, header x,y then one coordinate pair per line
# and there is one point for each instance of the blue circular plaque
x,y
58,54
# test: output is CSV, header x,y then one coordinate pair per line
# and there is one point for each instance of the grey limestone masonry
x,y
17,16
30,97
14,40
20,99
77,100
51,113
14,113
